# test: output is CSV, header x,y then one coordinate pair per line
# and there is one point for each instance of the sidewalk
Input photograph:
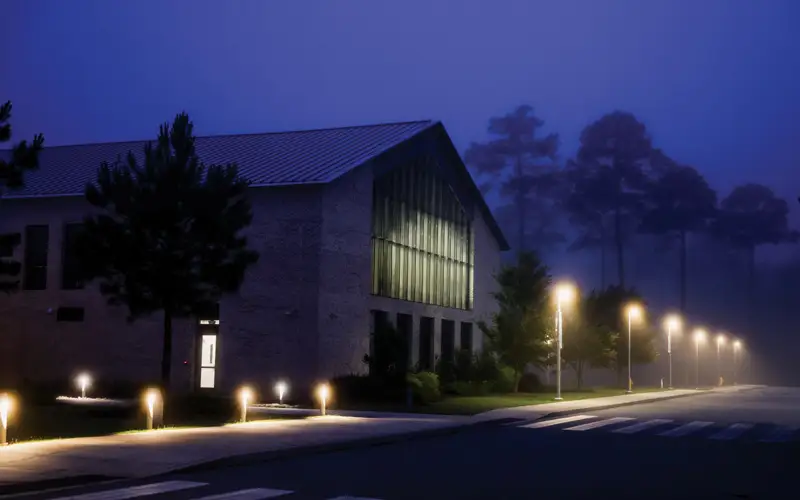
x,y
156,452
148,453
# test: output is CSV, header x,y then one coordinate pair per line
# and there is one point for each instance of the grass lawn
x,y
56,421
471,405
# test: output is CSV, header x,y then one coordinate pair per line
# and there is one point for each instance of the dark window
x,y
71,276
422,243
466,336
405,327
36,241
7,244
448,340
69,314
425,343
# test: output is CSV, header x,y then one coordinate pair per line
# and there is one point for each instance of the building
x,y
351,224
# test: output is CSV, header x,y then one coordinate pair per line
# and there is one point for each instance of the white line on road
x,y
557,421
686,429
732,432
251,494
780,434
641,426
136,491
353,498
599,423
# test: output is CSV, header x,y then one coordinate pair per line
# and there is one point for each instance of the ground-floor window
x,y
448,339
405,328
466,336
425,343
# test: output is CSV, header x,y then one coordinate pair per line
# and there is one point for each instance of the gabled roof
x,y
266,159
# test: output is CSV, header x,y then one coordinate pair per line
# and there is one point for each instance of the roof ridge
x,y
249,134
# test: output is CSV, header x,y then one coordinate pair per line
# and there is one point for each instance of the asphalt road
x,y
581,458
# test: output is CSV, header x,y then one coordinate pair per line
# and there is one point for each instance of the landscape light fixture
x,y
245,398
84,381
324,394
5,412
280,388
151,398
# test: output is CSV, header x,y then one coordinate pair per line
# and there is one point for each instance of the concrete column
x,y
414,357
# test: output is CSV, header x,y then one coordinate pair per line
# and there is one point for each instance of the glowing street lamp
x,y
324,393
245,398
699,337
634,312
5,411
737,346
720,343
151,398
564,294
280,388
673,324
83,380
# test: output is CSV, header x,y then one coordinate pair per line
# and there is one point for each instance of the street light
x,y
720,343
699,336
83,380
634,312
565,293
737,345
673,324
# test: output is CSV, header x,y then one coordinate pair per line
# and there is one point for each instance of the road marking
x,y
780,434
632,429
557,421
686,429
251,494
732,432
136,491
353,498
599,423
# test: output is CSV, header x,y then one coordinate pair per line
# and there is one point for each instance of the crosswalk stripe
x,y
632,429
780,434
599,423
686,429
557,421
251,494
136,491
353,498
732,432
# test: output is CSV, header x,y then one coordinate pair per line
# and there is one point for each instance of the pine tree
x,y
21,158
168,235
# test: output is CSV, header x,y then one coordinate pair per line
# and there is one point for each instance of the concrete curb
x,y
565,413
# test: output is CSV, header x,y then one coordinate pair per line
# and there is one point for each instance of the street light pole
x,y
669,351
736,346
699,336
558,348
630,380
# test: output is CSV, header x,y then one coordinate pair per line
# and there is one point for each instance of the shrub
x,y
505,381
464,366
530,383
364,388
446,370
464,388
486,367
424,386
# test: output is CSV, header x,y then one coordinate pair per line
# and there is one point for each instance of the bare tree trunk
x,y
751,286
166,351
618,243
682,271
521,209
603,245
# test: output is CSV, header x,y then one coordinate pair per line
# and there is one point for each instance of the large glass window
x,y
71,276
422,241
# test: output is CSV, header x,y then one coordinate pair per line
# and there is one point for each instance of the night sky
x,y
716,81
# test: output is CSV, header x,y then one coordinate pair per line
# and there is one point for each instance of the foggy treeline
x,y
622,211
